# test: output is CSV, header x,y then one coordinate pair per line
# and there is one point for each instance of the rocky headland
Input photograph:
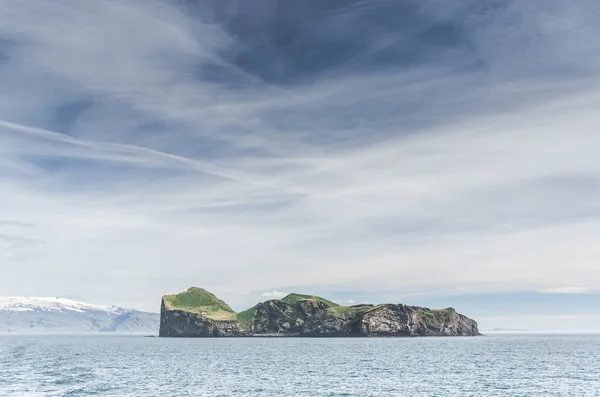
x,y
198,313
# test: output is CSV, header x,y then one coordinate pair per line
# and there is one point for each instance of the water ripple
x,y
135,366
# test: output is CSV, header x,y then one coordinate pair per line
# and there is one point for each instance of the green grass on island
x,y
199,301
294,298
350,311
432,316
246,316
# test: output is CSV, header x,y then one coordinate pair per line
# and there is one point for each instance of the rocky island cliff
x,y
198,313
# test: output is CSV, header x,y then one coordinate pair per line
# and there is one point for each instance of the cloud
x,y
17,248
568,290
432,147
345,302
18,241
274,294
16,223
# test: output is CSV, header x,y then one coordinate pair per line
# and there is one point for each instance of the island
x,y
199,313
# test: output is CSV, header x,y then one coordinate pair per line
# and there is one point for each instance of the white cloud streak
x,y
273,294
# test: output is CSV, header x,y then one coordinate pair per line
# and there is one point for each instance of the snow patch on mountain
x,y
23,304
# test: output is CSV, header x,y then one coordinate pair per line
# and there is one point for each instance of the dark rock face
x,y
400,320
279,318
314,318
187,324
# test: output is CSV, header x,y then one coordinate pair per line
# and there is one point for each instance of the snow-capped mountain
x,y
23,304
38,314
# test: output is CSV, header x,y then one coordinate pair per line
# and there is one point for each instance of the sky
x,y
435,153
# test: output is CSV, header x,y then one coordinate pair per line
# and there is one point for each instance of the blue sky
x,y
439,153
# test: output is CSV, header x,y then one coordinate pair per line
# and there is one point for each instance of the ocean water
x,y
513,365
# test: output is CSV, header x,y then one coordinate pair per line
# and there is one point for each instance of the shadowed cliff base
x,y
198,313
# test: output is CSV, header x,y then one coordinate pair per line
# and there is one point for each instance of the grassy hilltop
x,y
201,302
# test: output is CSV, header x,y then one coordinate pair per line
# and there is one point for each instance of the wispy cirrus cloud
x,y
441,148
17,242
16,223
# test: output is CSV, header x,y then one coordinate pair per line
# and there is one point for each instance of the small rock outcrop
x,y
198,313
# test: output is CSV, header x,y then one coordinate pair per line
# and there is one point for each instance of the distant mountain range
x,y
59,315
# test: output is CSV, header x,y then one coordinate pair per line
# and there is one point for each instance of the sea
x,y
121,366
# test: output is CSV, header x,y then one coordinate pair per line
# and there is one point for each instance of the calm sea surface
x,y
531,365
